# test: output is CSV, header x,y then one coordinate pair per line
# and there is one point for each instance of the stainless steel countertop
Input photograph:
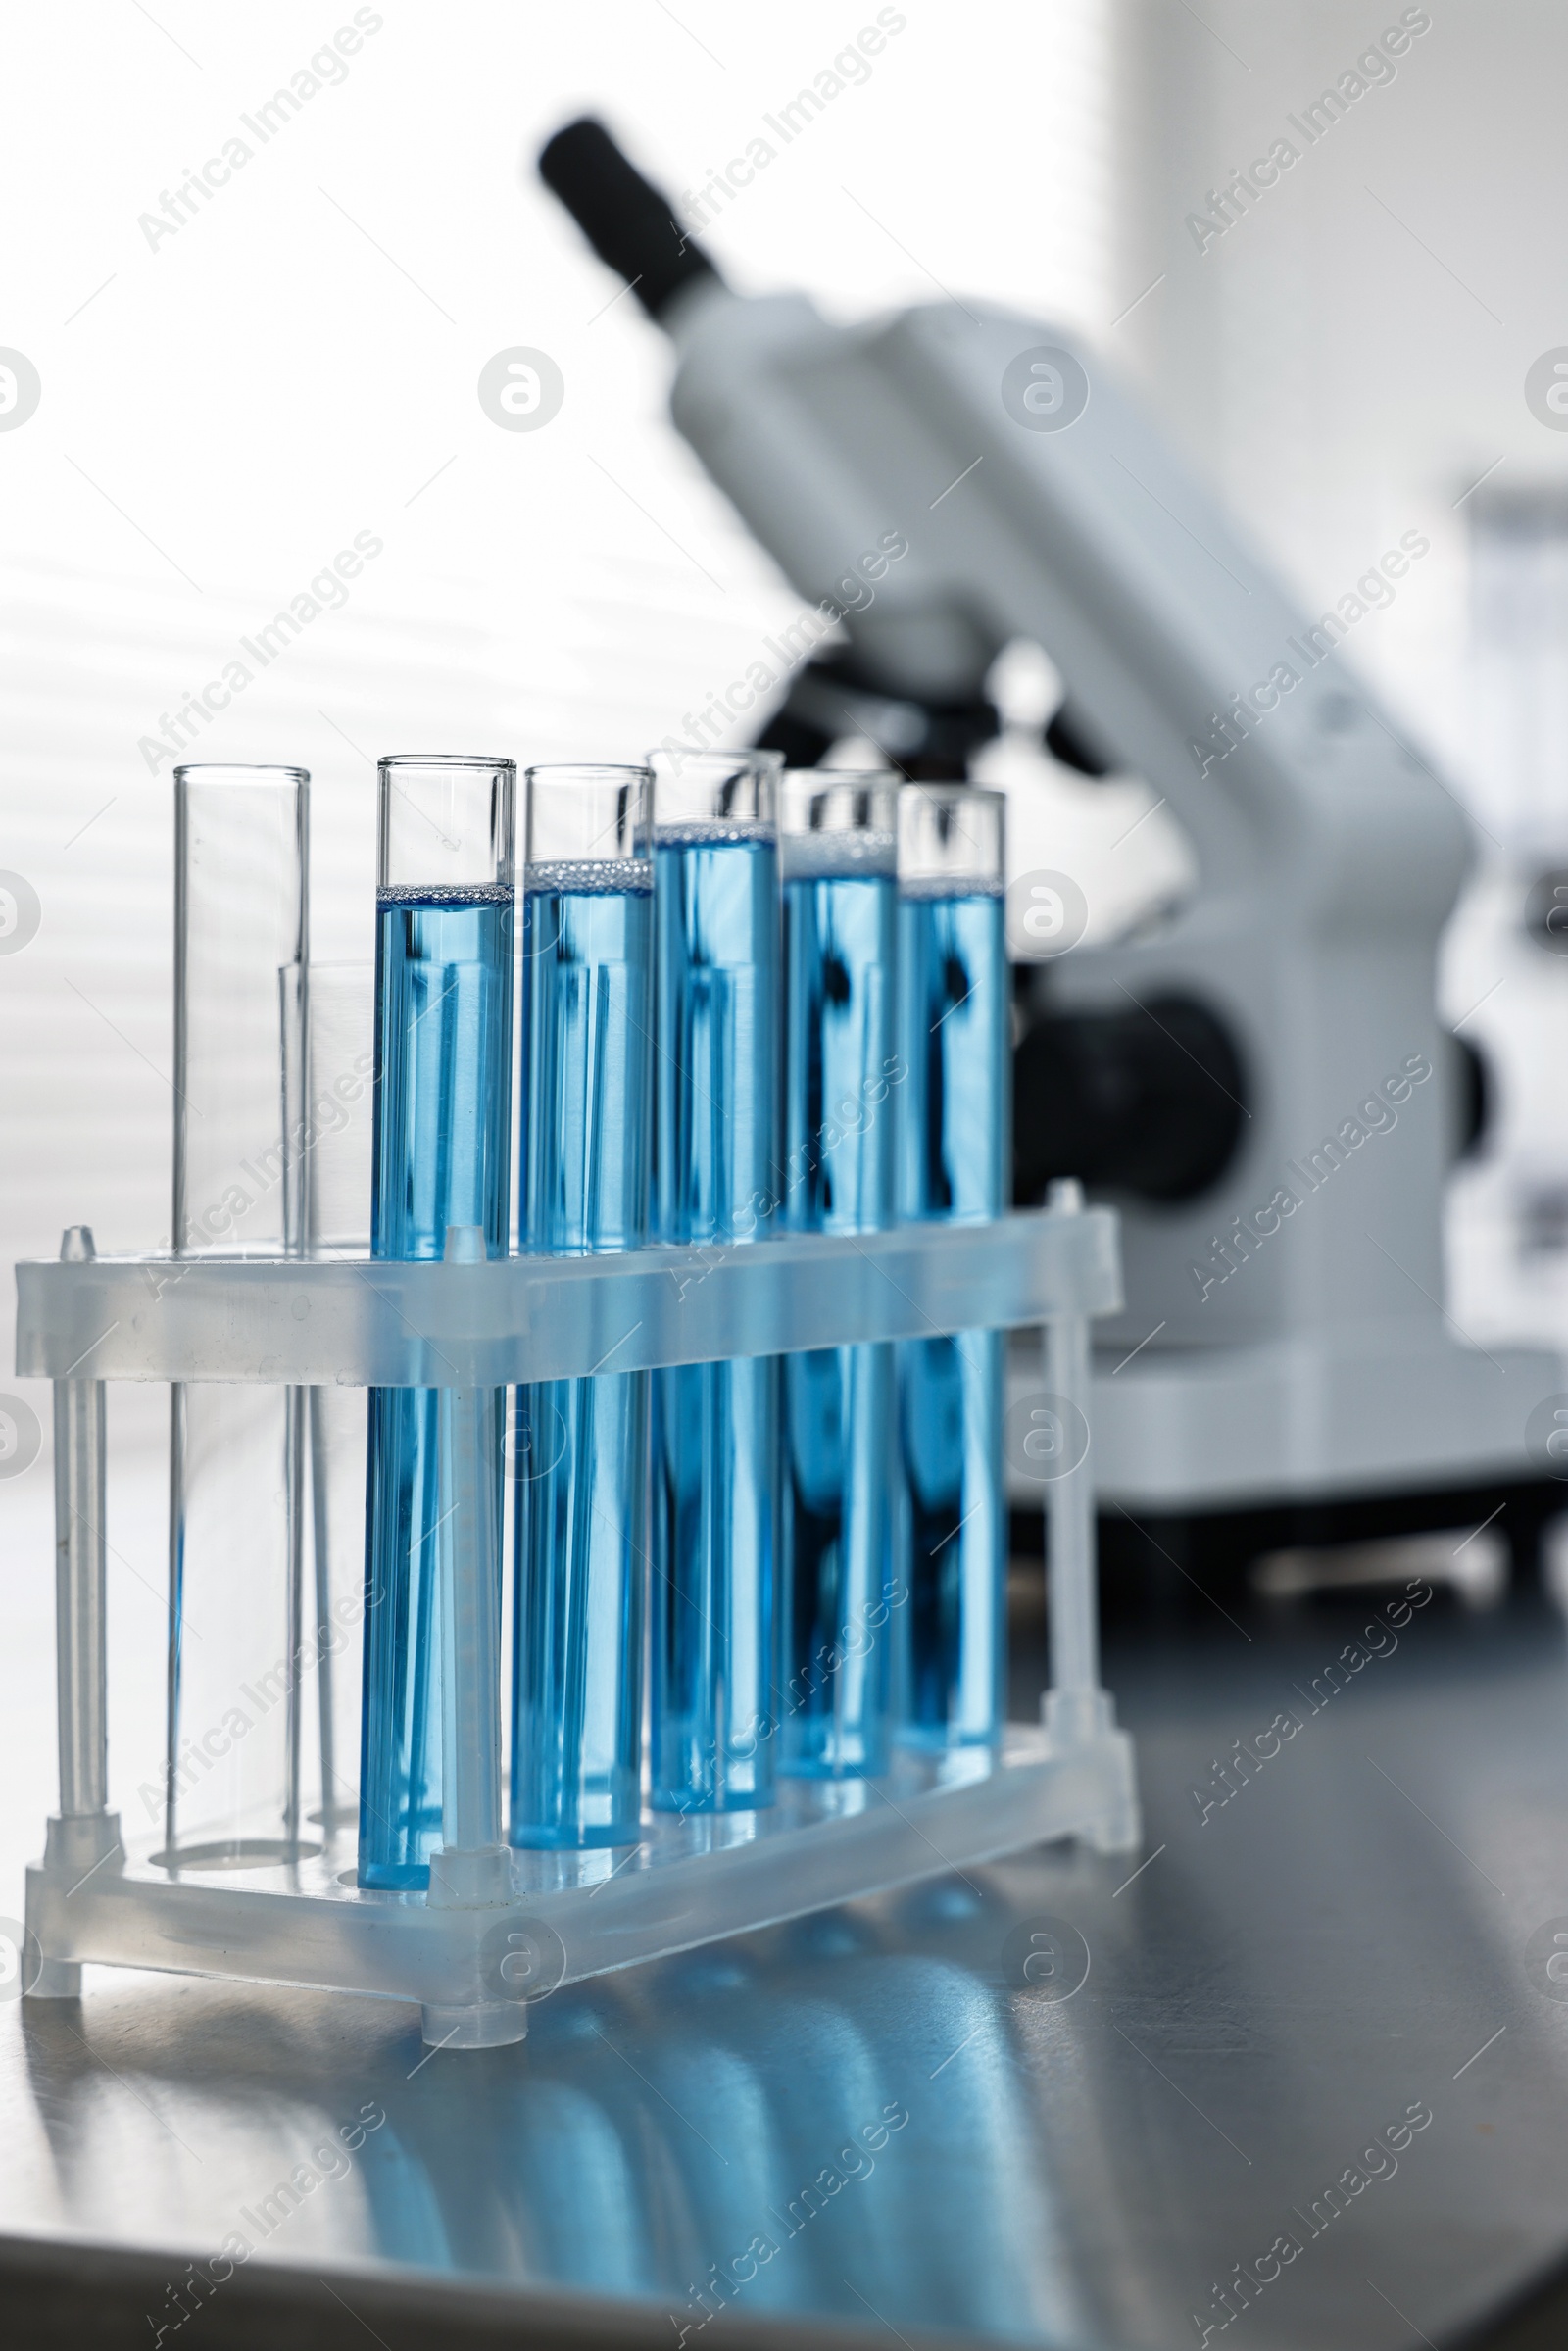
x,y
1343,1939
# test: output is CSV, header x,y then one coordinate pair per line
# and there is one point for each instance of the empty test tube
x,y
341,1060
581,1461
954,1008
715,1431
233,1768
442,1111
840,1071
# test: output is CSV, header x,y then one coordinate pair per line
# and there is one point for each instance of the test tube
x,y
341,1058
440,1160
841,1066
582,1464
954,1008
714,1428
232,1791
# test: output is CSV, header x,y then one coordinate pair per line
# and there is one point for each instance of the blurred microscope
x,y
1257,1077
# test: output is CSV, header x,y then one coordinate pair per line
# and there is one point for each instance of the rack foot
x,y
478,1878
493,2025
1084,1722
56,1980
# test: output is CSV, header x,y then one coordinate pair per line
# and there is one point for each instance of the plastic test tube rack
x,y
498,1926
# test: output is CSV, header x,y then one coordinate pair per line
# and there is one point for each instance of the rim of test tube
x,y
938,860
240,771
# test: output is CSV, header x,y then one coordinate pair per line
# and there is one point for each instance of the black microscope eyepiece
x,y
629,224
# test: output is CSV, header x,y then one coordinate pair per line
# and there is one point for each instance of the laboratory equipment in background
x,y
1258,1077
1506,961
581,1472
237,1455
713,1538
955,1010
839,850
441,1168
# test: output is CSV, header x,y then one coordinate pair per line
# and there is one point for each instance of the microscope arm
x,y
1329,853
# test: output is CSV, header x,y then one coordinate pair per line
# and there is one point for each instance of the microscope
x,y
1257,1077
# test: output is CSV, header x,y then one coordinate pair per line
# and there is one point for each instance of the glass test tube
x,y
841,1066
715,1429
954,1012
341,1060
232,1766
440,1160
580,1524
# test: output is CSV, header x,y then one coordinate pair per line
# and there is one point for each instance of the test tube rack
x,y
501,1927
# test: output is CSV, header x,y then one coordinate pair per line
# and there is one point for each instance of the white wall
x,y
1351,355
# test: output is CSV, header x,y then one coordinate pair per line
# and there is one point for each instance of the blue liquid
x,y
840,1086
443,998
714,1425
953,1152
582,1456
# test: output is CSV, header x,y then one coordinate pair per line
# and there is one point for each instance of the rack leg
x,y
1075,1706
1077,1712
84,1833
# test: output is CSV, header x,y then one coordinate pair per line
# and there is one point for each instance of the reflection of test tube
x,y
237,1455
443,1104
715,1441
840,1067
582,1456
955,1010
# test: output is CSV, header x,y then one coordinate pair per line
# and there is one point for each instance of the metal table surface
x,y
866,2124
